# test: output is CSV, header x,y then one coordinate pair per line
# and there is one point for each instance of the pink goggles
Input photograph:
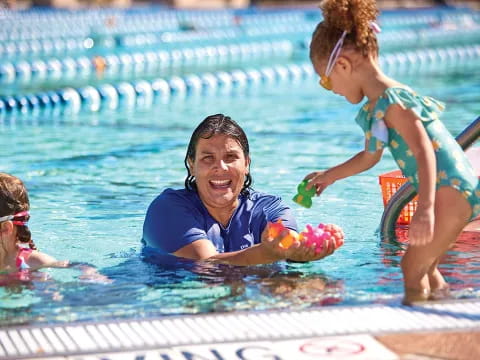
x,y
20,218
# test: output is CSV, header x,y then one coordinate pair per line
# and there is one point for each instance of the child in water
x,y
14,232
344,52
18,253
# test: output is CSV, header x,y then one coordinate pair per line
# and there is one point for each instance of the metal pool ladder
x,y
406,192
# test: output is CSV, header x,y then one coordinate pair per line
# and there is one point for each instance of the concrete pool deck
x,y
455,345
436,330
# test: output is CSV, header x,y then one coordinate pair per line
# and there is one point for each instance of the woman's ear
x,y
190,166
247,164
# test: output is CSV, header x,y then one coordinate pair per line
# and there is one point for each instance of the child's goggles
x,y
20,218
325,78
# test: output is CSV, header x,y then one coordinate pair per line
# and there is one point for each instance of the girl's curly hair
x,y
354,17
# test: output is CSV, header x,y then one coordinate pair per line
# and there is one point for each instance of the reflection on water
x,y
141,286
153,289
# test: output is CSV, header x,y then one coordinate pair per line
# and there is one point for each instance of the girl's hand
x,y
91,274
421,227
320,180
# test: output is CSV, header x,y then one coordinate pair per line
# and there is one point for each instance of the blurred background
x,y
211,4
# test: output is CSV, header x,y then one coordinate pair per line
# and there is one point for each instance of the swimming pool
x,y
91,177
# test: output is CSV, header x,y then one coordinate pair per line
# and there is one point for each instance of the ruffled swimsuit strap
x,y
22,257
425,108
372,121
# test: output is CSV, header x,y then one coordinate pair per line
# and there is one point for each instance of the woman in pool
x,y
218,217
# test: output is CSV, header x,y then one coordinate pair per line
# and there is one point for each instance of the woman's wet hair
x,y
218,124
353,16
14,199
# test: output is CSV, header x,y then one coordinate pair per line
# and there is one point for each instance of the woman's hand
x,y
421,227
320,180
298,251
302,253
271,245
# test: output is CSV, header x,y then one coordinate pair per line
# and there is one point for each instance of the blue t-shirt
x,y
178,217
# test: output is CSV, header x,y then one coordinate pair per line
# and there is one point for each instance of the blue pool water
x,y
92,176
91,179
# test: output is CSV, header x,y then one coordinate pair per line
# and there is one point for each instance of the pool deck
x,y
434,330
458,345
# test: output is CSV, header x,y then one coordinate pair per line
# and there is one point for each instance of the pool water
x,y
91,178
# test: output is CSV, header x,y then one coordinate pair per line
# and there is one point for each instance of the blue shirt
x,y
178,217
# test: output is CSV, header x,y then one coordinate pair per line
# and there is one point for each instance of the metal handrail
x,y
406,192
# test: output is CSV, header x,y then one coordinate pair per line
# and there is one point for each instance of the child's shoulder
x,y
425,108
398,93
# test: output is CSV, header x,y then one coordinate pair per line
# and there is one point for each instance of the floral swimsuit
x,y
453,167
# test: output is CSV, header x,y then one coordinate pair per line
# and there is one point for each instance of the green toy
x,y
304,196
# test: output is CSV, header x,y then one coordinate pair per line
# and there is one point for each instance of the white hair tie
x,y
375,27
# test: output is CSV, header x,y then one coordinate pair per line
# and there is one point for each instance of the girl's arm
x,y
38,260
412,131
362,161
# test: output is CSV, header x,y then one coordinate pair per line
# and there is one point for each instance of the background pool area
x,y
93,168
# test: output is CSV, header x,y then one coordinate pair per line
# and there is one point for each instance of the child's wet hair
x,y
353,16
14,199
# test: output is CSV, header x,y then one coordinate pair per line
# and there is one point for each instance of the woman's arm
x,y
267,252
205,250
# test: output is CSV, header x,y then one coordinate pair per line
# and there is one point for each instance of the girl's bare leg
x,y
439,288
419,264
435,278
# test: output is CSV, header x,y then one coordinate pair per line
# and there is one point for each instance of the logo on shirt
x,y
248,238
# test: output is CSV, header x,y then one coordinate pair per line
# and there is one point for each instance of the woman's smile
x,y
220,184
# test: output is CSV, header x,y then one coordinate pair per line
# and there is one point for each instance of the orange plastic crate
x,y
390,182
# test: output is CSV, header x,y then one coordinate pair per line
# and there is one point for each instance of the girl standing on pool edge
x,y
344,52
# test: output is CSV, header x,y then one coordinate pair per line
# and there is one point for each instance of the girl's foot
x,y
413,296
436,280
442,293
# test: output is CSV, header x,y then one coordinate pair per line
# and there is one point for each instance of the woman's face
x,y
219,168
